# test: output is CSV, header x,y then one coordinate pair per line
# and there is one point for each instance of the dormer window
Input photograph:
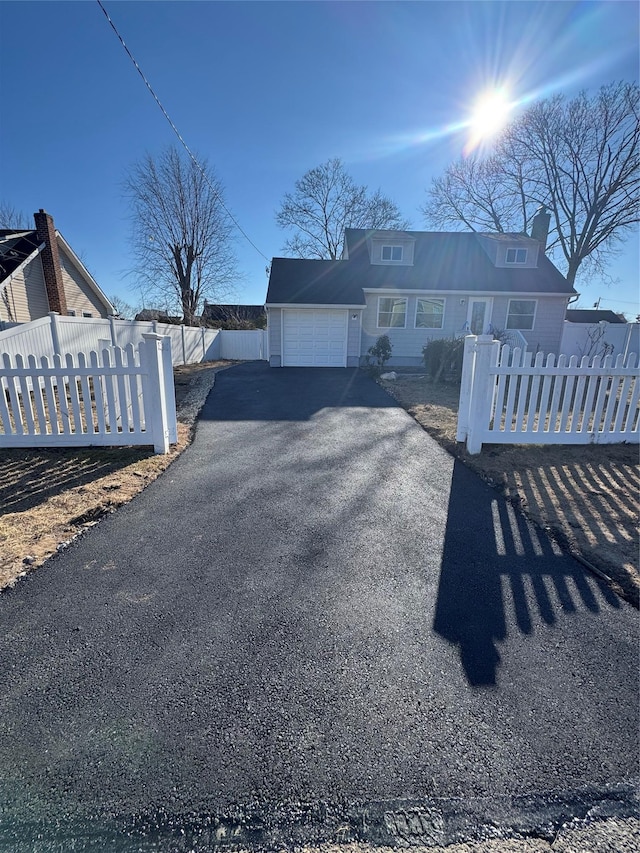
x,y
392,253
516,256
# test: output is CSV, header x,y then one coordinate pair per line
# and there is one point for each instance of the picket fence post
x,y
486,356
112,326
155,396
55,336
169,389
466,382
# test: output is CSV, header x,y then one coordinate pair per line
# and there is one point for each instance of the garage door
x,y
314,337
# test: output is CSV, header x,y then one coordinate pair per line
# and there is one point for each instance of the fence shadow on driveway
x,y
499,573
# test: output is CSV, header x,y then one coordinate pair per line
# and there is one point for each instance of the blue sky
x,y
268,90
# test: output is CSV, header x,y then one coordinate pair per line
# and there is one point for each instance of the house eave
x,y
24,263
328,305
430,292
93,284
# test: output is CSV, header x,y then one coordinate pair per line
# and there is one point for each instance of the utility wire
x,y
621,301
178,134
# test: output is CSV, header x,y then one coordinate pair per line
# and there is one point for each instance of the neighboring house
x,y
241,315
592,315
413,286
148,314
40,272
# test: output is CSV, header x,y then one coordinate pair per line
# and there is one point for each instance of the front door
x,y
479,316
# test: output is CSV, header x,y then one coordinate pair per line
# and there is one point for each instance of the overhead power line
x,y
617,301
179,135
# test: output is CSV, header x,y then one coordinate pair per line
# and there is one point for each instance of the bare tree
x,y
11,217
326,200
579,157
122,308
481,195
181,235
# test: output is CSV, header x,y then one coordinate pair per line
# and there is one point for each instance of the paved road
x,y
315,619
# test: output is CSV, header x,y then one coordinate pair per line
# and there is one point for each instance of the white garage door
x,y
314,337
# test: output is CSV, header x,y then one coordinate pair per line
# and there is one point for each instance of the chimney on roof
x,y
50,257
540,226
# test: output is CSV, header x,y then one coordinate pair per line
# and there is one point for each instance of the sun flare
x,y
490,114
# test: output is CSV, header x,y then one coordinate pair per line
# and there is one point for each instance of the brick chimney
x,y
540,226
46,233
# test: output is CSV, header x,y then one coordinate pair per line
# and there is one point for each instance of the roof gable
x,y
84,272
15,248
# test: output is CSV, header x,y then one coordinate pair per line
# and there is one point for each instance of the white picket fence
x,y
115,397
507,397
56,334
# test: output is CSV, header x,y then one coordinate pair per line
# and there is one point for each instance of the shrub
x,y
443,359
381,352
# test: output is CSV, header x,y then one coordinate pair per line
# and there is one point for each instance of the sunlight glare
x,y
490,114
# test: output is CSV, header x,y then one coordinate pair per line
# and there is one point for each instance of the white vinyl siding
x,y
24,297
274,329
521,314
429,313
314,337
80,297
408,342
392,312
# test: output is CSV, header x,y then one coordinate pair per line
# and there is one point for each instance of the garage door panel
x,y
314,338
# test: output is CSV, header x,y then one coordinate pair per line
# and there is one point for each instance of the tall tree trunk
x,y
572,271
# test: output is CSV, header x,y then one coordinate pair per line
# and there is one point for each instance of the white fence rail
x,y
56,334
600,339
115,397
508,398
242,345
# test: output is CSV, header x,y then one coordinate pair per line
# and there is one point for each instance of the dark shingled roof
x,y
304,282
442,261
590,315
217,312
455,260
15,247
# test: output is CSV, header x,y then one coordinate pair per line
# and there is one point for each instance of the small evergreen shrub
x,y
381,352
442,358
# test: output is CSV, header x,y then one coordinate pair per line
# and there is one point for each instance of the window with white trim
x,y
71,312
429,313
392,253
516,256
87,314
392,312
521,314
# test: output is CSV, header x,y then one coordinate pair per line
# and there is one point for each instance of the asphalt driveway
x,y
315,625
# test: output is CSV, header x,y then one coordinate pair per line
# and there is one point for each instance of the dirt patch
x,y
585,496
48,497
